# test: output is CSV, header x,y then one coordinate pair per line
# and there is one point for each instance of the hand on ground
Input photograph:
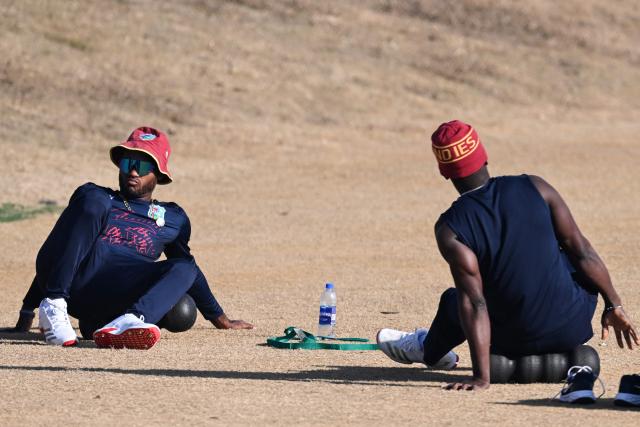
x,y
470,385
24,323
223,322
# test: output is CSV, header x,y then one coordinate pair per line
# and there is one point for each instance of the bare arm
x,y
472,306
586,261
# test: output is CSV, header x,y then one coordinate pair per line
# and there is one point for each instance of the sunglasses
x,y
143,167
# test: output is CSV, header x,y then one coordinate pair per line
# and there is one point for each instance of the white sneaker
x,y
127,331
407,347
54,323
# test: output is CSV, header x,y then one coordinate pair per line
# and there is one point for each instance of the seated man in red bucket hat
x,y
526,279
99,262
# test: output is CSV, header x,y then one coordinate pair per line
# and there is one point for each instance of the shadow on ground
x,y
7,336
601,404
10,335
333,374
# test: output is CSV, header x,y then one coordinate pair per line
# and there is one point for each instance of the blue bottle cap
x,y
329,286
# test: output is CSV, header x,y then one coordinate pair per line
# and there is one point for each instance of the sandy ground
x,y
300,136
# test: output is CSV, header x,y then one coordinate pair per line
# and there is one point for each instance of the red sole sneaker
x,y
134,338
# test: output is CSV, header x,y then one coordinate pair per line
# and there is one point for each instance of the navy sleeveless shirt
x,y
533,302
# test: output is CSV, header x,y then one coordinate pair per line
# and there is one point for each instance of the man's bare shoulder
x,y
443,231
446,239
545,189
537,180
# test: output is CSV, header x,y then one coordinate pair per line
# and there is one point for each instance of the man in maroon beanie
x,y
526,279
100,262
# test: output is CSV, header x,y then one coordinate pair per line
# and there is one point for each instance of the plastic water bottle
x,y
327,321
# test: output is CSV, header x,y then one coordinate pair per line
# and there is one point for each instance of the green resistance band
x,y
296,338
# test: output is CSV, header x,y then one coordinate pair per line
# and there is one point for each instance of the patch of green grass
x,y
10,212
73,43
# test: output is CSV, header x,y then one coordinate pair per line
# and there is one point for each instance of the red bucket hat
x,y
458,149
152,142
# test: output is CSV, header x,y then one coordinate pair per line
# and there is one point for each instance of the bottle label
x,y
327,315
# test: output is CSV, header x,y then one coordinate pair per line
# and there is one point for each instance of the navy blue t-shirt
x,y
136,235
527,284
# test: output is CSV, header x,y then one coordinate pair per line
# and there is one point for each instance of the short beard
x,y
131,193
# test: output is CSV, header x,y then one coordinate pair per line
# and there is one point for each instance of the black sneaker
x,y
579,386
629,391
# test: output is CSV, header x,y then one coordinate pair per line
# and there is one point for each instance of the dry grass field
x,y
300,152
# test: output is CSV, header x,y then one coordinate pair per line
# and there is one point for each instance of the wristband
x,y
611,308
28,313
